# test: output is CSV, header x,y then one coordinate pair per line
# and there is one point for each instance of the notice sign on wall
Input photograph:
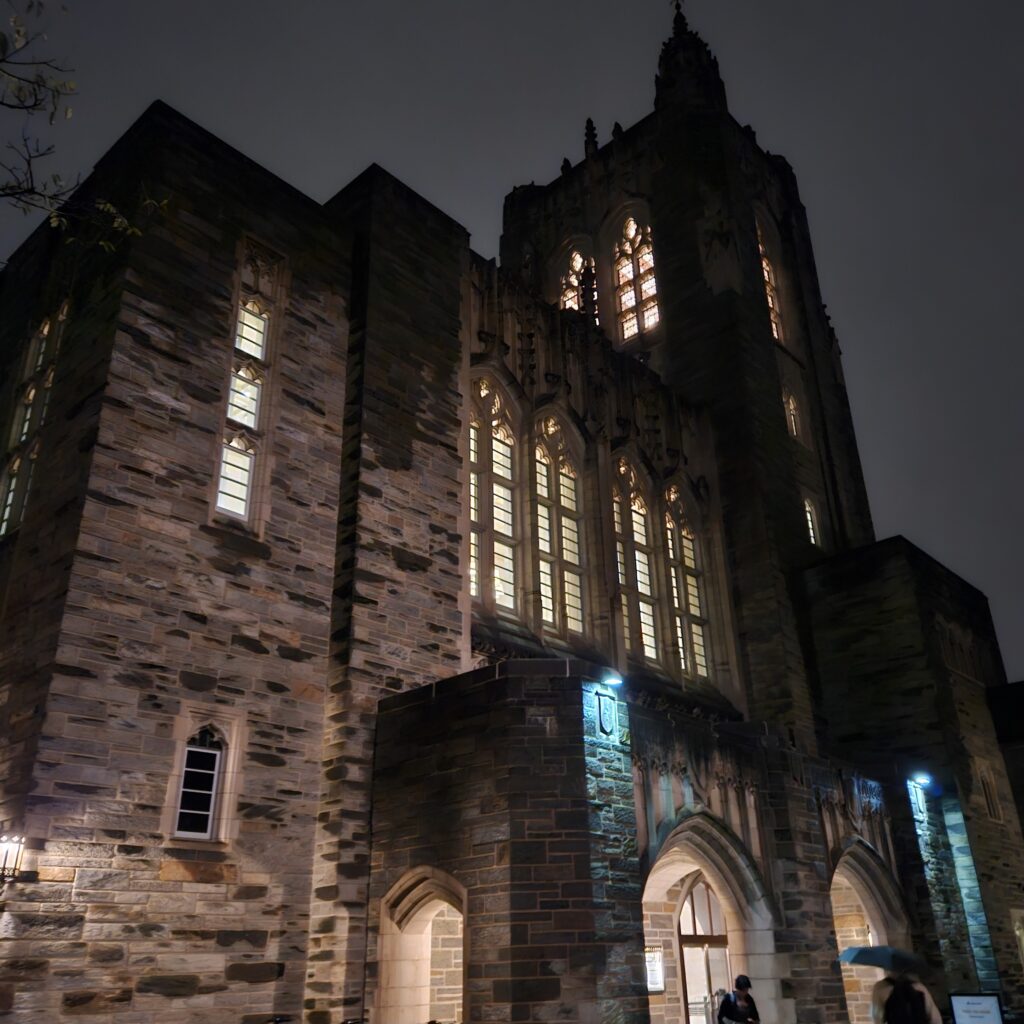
x,y
655,968
976,1008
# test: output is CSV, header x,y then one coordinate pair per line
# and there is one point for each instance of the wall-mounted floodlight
x,y
611,679
921,779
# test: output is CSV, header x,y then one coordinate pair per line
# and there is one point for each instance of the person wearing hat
x,y
739,1006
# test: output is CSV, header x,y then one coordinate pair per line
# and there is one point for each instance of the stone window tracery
x,y
578,271
243,441
559,531
636,288
23,443
634,554
686,582
771,291
493,501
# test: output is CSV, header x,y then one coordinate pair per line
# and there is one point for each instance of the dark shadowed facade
x,y
388,633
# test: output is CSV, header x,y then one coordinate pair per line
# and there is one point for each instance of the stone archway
x,y
867,910
422,950
700,848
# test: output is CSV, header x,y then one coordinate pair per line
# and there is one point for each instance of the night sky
x,y
902,119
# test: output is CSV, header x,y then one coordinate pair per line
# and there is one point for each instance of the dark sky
x,y
902,118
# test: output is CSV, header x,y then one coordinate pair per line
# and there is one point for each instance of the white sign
x,y
655,968
976,1009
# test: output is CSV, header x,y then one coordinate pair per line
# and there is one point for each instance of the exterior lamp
x,y
12,847
611,679
921,779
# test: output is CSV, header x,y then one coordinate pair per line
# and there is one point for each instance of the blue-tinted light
x,y
612,680
921,779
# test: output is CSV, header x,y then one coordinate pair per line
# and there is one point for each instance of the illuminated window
x,y
634,551
559,531
686,582
493,501
244,441
201,782
771,291
579,271
792,416
703,952
811,516
22,442
636,288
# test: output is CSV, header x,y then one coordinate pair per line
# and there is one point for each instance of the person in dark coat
x,y
739,1007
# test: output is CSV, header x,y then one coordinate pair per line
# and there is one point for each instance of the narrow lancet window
x,y
686,580
493,501
811,517
245,427
634,553
559,531
771,291
636,288
23,443
201,782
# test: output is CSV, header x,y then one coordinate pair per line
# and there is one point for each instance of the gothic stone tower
x,y
391,634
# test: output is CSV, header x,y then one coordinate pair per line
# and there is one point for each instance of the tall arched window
x,y
493,482
771,291
578,274
559,531
634,548
22,444
686,579
703,952
636,290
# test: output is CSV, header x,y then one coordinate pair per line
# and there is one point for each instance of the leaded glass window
x,y
636,287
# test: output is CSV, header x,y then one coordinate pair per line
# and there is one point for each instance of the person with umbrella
x,y
739,1007
900,997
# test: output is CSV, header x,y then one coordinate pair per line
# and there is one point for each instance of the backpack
x,y
905,1004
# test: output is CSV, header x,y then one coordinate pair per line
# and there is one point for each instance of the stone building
x,y
389,633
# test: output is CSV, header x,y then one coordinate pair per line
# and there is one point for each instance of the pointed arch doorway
x,y
422,950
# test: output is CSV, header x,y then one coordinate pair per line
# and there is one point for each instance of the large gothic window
x,y
771,291
686,580
493,504
578,276
636,290
704,952
23,444
634,554
559,531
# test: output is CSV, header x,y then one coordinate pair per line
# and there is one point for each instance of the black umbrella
x,y
887,957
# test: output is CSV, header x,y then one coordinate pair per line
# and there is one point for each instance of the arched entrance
x,y
422,950
867,910
707,917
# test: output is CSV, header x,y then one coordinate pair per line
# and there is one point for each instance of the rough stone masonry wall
x,y
396,618
35,558
171,613
485,777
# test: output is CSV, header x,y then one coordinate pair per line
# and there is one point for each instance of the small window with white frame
x,y
989,792
199,793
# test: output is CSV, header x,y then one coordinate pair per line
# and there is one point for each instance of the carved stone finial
x,y
617,132
590,138
566,165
